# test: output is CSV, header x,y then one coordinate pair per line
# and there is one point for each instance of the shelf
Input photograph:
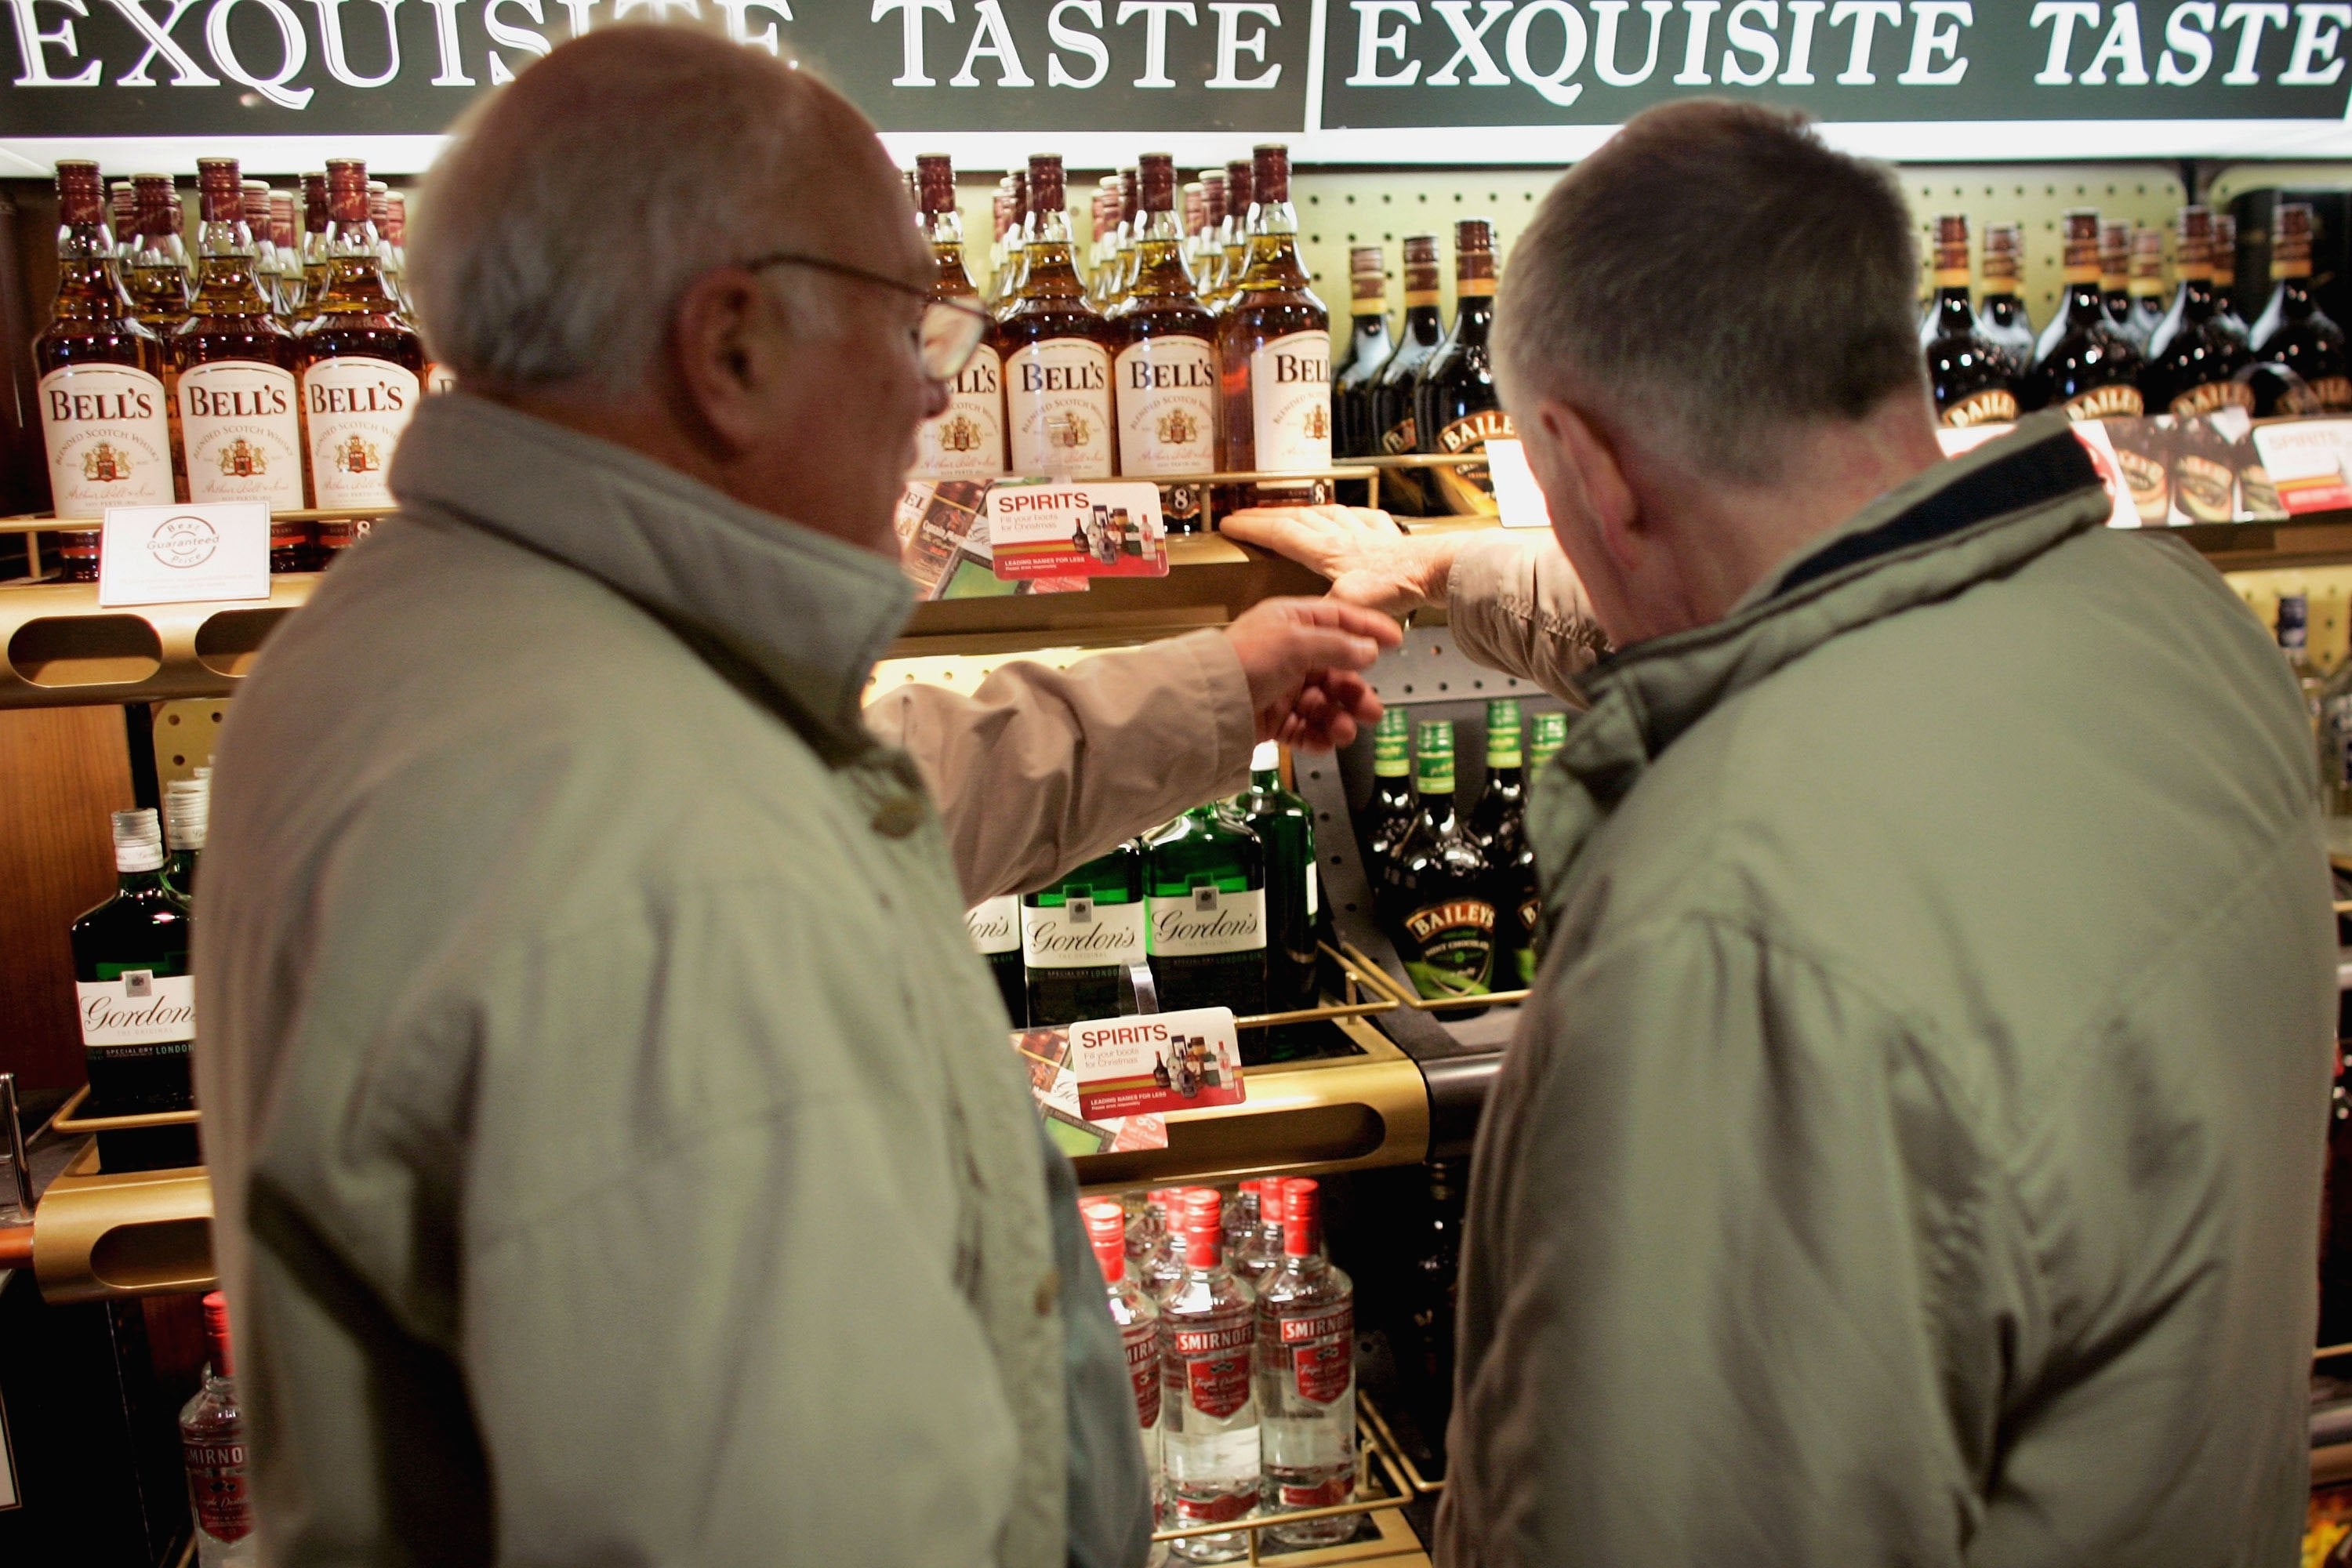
x,y
59,648
138,1232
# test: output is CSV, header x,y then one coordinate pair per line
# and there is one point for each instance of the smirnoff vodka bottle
x,y
1208,1409
1138,1317
1306,1376
212,1445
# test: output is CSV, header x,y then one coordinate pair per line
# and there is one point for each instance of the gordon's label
x,y
1082,934
1321,1350
1140,1340
1167,407
1057,409
138,1007
1993,405
109,433
1207,921
2120,401
216,1493
241,427
1470,490
1209,1367
1456,942
354,409
2211,396
995,925
1290,403
967,440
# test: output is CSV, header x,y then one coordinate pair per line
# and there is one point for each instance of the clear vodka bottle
x,y
1261,1250
1306,1376
211,1444
1138,1317
1208,1408
1160,1273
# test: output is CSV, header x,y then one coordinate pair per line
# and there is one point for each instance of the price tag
x,y
1065,527
183,554
1516,494
2309,461
1156,1062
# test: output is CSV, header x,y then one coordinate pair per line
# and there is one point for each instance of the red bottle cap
x,y
1238,187
216,1331
1106,1224
347,190
220,190
1302,1215
1270,173
935,175
81,193
1045,183
1204,1228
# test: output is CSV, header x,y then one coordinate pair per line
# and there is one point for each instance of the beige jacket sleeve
x,y
1515,606
1041,769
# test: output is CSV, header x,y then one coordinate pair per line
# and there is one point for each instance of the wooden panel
x,y
62,770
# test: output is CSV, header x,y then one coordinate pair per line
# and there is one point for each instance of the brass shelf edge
x,y
73,1126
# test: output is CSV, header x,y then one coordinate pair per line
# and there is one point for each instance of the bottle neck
x,y
1273,250
1159,271
1049,271
1267,779
144,880
89,286
228,279
2084,303
1955,317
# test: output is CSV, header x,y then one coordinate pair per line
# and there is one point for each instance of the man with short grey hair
x,y
1911,1151
618,1153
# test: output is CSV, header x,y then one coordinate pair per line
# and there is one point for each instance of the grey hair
x,y
1711,279
572,206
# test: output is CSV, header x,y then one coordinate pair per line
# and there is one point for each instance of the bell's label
x,y
1057,409
2121,401
1081,935
1207,921
1167,407
967,440
1993,405
1321,1350
138,1007
2212,396
216,1492
355,409
1470,490
1140,1340
1290,403
241,427
995,925
1211,1366
109,433
1456,943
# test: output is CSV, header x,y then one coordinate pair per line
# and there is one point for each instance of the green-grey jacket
x,y
1912,1152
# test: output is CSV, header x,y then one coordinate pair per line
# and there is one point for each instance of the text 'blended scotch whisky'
x,y
1435,893
1165,369
1205,886
1275,343
966,441
1057,397
1081,937
2085,364
361,364
240,411
104,414
2192,360
1305,1372
1970,376
1456,408
1208,1405
2292,331
1368,348
137,997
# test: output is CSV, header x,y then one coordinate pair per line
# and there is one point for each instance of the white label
x,y
1082,934
1057,409
995,924
138,1009
1520,498
109,439
185,554
1205,920
1314,893
1290,400
241,427
1167,407
967,442
355,409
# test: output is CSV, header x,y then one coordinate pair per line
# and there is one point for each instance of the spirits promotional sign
x,y
1530,82
1156,1062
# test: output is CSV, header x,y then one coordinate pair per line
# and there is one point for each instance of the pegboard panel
x,y
185,733
2330,589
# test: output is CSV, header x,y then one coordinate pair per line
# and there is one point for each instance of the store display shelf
x,y
100,1234
1385,1486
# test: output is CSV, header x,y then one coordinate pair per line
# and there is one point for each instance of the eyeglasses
x,y
945,337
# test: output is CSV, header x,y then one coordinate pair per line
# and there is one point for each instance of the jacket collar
x,y
793,615
1974,516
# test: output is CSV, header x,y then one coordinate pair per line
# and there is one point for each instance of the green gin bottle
x,y
1436,893
1285,824
1081,936
1498,826
1391,809
1204,888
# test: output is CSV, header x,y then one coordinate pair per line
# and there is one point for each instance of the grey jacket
x,y
1911,1151
617,1150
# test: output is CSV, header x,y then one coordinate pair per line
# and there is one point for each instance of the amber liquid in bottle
x,y
966,441
1969,374
361,364
314,247
1274,343
1057,397
1234,242
1456,408
1165,366
104,417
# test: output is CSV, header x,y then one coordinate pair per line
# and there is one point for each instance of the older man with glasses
x,y
618,1153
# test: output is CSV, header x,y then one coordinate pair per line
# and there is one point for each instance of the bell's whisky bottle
x,y
2002,315
1392,384
158,272
361,364
1368,348
2293,331
1204,888
966,441
1233,245
1435,893
1456,409
1080,937
1165,363
2086,366
104,414
1275,341
1057,397
1971,376
137,997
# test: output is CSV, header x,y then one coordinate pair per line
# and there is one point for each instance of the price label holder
x,y
2309,462
1156,1062
1517,495
184,554
1075,528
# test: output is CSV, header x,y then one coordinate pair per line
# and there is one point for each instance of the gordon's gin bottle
x,y
1307,1375
1138,1317
212,1442
1208,1409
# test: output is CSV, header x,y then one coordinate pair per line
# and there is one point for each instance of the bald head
x,y
572,206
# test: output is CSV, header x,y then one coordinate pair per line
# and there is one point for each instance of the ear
x,y
1587,479
724,350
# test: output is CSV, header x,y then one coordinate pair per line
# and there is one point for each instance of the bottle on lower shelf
x,y
212,1446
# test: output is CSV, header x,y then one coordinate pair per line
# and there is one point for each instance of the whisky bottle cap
x,y
138,841
935,181
220,191
2114,253
1238,187
159,204
1127,197
379,203
1302,1216
396,218
1212,197
2291,241
256,207
1045,185
347,191
314,202
1156,182
81,193
1270,173
2003,242
281,219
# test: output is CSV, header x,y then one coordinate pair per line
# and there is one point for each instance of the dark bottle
x,y
2146,288
1285,824
1435,895
2002,315
1164,357
2115,275
1369,347
131,968
1972,377
2292,331
1204,908
2086,366
1456,409
1404,490
2225,278
1526,919
1498,826
2192,361
1431,1291
995,927
1081,937
1273,347
1057,397
1391,809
